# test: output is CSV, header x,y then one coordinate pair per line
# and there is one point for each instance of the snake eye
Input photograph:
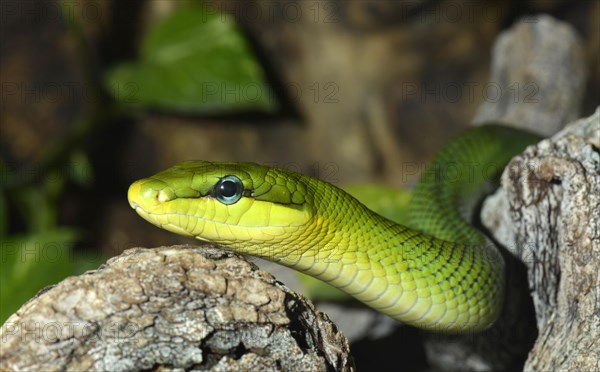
x,y
229,190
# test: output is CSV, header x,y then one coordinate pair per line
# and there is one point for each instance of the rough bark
x,y
543,60
172,307
547,213
538,76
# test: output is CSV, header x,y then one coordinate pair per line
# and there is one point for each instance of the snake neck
x,y
408,275
341,230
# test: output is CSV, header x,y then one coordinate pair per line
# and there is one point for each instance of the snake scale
x,y
437,275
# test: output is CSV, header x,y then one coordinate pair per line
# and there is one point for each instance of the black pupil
x,y
228,189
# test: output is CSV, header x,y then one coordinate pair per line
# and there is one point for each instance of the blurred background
x,y
96,94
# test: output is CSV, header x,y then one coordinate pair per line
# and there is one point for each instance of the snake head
x,y
241,204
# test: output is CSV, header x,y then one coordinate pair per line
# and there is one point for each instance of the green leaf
x,y
81,171
29,263
3,214
195,61
35,205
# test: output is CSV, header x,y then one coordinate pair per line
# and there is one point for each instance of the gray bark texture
x,y
172,308
538,76
547,213
539,68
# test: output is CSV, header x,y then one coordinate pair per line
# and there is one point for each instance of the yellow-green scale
x,y
438,275
413,277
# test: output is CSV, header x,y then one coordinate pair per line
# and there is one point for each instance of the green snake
x,y
438,275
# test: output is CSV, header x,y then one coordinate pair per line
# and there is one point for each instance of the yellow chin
x,y
248,220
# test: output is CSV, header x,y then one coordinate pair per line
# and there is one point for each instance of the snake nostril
x,y
162,196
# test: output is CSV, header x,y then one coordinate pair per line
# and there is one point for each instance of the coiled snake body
x,y
439,275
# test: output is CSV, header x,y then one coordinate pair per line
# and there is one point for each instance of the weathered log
x,y
543,60
172,307
547,213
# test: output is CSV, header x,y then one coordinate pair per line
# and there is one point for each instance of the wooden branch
x,y
547,213
178,307
538,76
543,60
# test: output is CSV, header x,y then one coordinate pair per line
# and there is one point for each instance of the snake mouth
x,y
134,196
